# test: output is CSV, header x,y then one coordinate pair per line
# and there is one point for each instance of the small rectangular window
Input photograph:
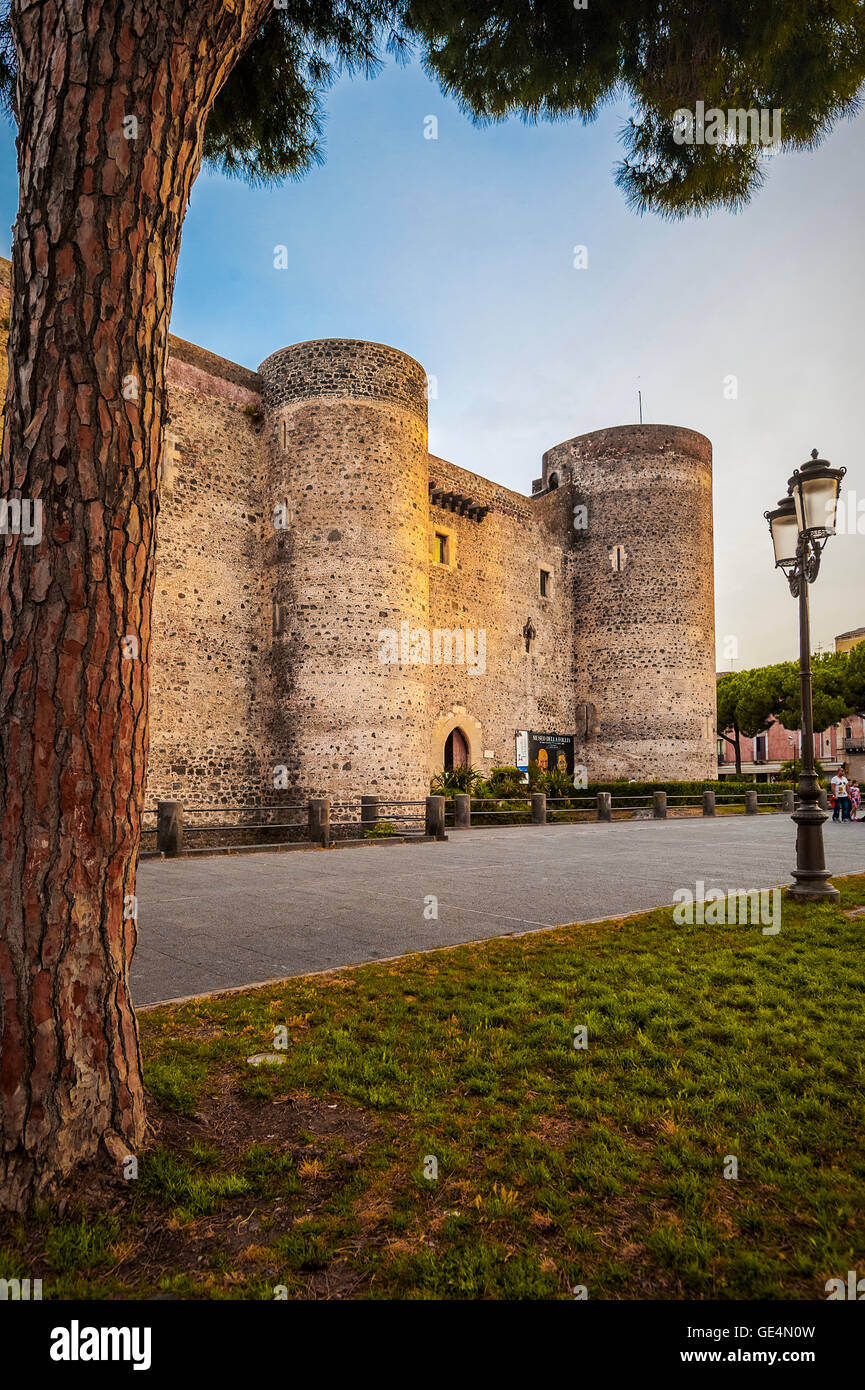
x,y
545,583
441,548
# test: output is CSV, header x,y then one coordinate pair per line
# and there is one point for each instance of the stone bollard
x,y
659,805
368,810
539,808
462,811
169,828
605,806
319,821
708,803
788,801
823,799
750,803
435,817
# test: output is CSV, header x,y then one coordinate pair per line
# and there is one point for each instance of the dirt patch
x,y
231,1244
556,1130
234,1124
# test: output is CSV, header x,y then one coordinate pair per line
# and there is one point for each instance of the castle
x,y
339,612
334,602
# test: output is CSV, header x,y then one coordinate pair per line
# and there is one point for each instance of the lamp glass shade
x,y
816,501
784,526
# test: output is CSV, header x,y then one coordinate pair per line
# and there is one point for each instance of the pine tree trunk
x,y
94,257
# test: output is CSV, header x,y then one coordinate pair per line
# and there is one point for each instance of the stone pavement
x,y
215,922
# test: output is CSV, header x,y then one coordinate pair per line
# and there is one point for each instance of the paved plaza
x,y
214,922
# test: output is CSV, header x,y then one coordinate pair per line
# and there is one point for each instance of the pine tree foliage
x,y
550,60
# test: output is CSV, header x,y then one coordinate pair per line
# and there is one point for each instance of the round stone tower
x,y
644,618
348,571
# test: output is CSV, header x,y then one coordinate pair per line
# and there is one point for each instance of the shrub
x,y
536,777
379,830
790,770
505,811
556,783
508,781
453,780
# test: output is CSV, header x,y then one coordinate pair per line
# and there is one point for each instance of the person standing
x,y
844,796
855,799
835,784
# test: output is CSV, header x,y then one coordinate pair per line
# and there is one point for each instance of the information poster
x,y
522,758
552,752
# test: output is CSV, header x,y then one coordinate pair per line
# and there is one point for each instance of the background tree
x,y
746,702
853,678
726,721
791,768
829,692
117,104
548,61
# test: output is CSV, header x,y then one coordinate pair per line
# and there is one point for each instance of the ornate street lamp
x,y
800,526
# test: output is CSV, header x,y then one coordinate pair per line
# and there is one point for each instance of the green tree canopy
x,y
854,679
829,694
749,700
548,60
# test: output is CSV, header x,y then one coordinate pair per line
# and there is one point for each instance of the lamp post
x,y
792,743
800,526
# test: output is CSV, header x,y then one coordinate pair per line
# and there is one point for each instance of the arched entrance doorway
x,y
456,750
455,720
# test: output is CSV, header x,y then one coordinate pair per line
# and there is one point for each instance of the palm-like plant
x,y
508,781
454,780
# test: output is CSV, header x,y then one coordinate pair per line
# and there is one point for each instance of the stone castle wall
x,y
267,641
348,439
209,681
492,583
644,601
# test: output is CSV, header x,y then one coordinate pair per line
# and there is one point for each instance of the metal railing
x,y
538,808
377,819
309,822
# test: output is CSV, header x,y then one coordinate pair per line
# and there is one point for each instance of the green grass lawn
x,y
556,1166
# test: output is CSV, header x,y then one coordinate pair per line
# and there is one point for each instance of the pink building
x,y
762,756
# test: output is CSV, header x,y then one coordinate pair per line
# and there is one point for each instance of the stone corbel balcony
x,y
456,502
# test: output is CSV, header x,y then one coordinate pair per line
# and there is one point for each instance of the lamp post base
x,y
810,888
812,877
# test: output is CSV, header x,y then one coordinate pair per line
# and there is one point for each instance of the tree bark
x,y
94,257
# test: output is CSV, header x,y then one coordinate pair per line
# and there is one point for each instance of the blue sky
x,y
459,250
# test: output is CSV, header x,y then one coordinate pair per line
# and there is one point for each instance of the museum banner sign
x,y
552,752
